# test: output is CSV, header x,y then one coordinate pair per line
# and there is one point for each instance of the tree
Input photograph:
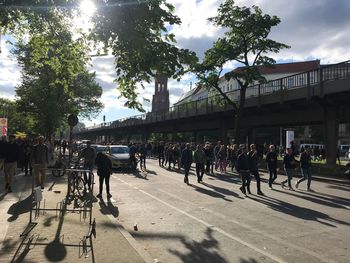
x,y
245,41
17,121
55,80
135,31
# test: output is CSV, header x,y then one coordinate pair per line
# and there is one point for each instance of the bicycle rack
x,y
38,208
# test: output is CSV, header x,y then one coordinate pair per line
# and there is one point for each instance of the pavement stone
x,y
56,238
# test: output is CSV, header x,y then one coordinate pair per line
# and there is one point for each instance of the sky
x,y
317,29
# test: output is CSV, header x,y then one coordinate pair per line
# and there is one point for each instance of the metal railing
x,y
213,104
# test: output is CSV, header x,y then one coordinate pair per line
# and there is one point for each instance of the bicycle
x,y
60,166
77,189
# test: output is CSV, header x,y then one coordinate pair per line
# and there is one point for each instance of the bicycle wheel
x,y
80,188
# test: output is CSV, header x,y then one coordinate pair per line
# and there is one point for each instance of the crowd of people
x,y
208,157
30,155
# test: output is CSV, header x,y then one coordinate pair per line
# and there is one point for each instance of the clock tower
x,y
160,101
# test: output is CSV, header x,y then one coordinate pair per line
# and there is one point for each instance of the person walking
x,y
160,153
143,154
89,155
254,166
271,160
132,156
209,157
200,159
243,169
222,157
2,152
289,164
216,151
305,165
11,157
27,148
104,171
186,161
40,160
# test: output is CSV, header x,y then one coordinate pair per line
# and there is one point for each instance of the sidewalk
x,y
57,238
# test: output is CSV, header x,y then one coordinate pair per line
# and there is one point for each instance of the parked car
x,y
99,148
119,155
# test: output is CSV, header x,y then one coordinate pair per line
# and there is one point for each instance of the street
x,y
214,222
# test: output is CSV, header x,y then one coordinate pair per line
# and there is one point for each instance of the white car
x,y
119,155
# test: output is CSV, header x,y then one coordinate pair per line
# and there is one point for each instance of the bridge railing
x,y
217,104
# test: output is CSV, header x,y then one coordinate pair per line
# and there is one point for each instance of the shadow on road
x,y
222,190
298,211
249,260
230,178
209,192
201,252
109,208
312,199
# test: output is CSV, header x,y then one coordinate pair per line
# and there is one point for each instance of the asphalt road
x,y
214,222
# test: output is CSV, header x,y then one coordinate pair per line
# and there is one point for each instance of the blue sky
x,y
317,29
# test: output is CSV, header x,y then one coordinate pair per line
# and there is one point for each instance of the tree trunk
x,y
238,114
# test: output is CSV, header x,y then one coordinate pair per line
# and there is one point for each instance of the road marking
x,y
237,239
281,241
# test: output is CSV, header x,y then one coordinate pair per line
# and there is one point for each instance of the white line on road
x,y
237,239
279,240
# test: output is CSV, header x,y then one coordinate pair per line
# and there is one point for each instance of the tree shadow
x,y
20,207
297,211
210,193
2,196
8,245
109,208
201,252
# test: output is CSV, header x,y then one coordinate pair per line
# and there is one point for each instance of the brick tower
x,y
160,101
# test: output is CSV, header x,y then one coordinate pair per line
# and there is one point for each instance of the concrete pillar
x,y
224,138
195,137
251,136
331,133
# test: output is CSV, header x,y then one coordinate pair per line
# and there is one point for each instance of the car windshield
x,y
115,150
100,149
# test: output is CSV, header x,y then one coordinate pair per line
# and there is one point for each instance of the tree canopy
x,y
246,41
135,31
17,121
55,78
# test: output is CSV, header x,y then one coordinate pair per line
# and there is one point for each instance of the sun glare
x,y
87,7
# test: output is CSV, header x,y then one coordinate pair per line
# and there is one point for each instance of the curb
x,y
132,241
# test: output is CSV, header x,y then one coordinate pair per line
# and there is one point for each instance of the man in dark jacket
x,y
10,161
254,166
289,164
271,160
104,170
305,165
243,169
200,159
186,161
40,160
161,154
